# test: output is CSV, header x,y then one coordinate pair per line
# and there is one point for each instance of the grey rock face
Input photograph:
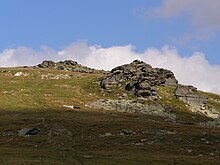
x,y
67,65
139,78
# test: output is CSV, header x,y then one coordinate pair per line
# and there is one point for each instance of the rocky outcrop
x,y
189,95
67,65
132,106
197,102
139,78
142,80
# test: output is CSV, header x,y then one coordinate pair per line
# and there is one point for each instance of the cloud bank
x,y
204,15
192,70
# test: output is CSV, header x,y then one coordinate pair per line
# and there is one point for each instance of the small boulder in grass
x,y
28,131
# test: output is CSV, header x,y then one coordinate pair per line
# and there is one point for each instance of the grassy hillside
x,y
87,136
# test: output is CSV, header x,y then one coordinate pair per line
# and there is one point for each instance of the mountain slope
x,y
58,103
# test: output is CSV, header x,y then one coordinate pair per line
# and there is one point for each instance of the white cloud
x,y
194,70
204,15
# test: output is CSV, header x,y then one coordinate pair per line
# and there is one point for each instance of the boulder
x,y
28,131
143,85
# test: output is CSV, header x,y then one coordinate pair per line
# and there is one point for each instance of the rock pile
x,y
139,78
142,80
67,65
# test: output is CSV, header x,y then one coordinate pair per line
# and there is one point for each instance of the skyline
x,y
165,33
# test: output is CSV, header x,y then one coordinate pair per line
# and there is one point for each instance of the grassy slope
x,y
73,136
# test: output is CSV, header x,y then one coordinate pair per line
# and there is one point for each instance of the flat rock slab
x,y
28,131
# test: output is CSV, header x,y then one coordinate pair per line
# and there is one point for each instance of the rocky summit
x,y
139,78
142,80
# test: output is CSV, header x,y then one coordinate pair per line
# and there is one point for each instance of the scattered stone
x,y
127,132
143,140
213,123
189,150
60,76
18,74
69,106
131,106
212,154
106,134
121,134
8,133
139,144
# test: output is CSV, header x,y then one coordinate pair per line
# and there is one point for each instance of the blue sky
x,y
57,23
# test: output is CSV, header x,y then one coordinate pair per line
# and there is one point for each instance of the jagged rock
x,y
67,65
139,78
